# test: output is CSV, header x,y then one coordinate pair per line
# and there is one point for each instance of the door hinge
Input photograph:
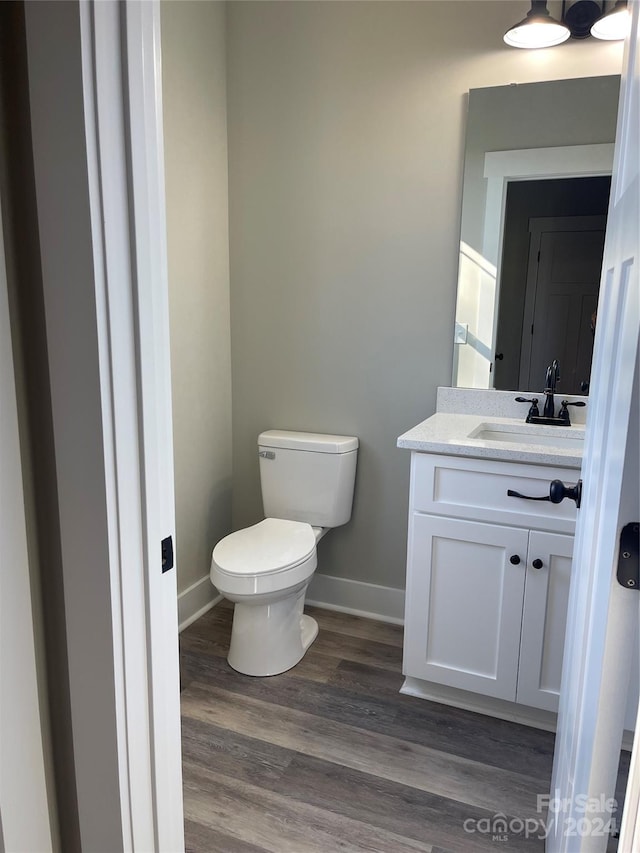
x,y
629,556
167,554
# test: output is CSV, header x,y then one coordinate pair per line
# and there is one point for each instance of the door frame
x,y
603,617
106,315
529,164
96,117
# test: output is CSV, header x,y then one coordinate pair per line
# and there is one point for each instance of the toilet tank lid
x,y
313,441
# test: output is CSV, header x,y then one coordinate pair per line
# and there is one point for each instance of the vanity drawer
x,y
477,489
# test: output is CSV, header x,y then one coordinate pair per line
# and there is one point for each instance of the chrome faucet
x,y
552,377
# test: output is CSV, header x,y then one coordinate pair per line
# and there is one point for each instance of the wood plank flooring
x,y
330,757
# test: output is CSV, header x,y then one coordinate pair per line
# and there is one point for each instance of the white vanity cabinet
x,y
544,620
487,578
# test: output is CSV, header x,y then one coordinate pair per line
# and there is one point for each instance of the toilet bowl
x,y
265,570
307,482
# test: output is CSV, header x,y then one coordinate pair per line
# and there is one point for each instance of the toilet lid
x,y
272,545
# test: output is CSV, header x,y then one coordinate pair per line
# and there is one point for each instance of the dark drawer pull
x,y
513,494
557,493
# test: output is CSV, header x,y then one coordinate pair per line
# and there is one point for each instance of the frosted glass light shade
x,y
537,30
614,25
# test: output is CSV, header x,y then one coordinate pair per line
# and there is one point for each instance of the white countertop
x,y
449,433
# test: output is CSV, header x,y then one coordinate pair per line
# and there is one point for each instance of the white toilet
x,y
307,487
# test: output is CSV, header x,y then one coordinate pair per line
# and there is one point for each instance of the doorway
x,y
519,350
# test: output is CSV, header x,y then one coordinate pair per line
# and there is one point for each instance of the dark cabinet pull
x,y
513,494
514,560
499,356
537,564
557,493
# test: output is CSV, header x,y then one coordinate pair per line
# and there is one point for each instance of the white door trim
x,y
24,802
151,294
95,107
527,164
602,621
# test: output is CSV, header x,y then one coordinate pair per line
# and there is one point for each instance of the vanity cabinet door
x,y
544,619
465,588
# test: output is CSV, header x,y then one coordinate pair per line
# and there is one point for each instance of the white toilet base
x,y
270,636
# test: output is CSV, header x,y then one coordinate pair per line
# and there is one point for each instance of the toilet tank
x,y
307,476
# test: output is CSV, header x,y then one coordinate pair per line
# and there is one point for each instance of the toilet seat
x,y
274,554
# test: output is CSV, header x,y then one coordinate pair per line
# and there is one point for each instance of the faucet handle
x,y
563,414
533,412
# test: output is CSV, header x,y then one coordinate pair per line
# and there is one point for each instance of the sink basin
x,y
559,437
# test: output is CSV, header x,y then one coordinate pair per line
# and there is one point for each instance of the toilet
x,y
307,482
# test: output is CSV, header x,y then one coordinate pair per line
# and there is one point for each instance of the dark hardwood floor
x,y
330,757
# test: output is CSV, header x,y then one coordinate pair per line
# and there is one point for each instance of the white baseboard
x,y
384,603
534,717
195,600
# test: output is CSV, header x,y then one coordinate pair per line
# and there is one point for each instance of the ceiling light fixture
x,y
538,29
580,17
613,25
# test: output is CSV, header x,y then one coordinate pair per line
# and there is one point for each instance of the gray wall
x,y
346,129
195,134
28,332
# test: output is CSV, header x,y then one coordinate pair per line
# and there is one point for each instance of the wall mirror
x,y
537,174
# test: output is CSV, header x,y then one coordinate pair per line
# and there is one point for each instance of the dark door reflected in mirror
x,y
549,280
